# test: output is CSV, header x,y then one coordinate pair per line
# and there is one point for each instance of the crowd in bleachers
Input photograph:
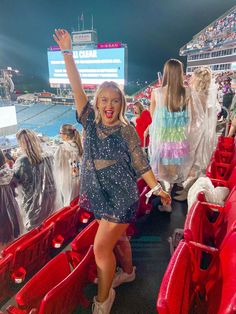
x,y
221,32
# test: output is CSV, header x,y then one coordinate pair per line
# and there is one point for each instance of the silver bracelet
x,y
156,188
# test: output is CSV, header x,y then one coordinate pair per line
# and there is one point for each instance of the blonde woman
x,y
67,159
33,171
202,129
112,161
169,146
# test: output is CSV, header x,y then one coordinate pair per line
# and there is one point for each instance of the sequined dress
x,y
112,162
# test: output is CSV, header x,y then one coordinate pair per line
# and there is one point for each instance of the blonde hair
x,y
173,79
201,79
115,87
140,107
30,145
73,135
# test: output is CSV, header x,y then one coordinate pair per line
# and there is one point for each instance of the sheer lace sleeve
x,y
139,160
87,115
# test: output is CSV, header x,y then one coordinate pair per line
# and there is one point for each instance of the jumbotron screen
x,y
95,66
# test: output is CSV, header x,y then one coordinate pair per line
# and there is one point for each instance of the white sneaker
x,y
104,307
165,208
122,277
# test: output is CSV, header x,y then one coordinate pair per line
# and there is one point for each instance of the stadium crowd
x,y
222,31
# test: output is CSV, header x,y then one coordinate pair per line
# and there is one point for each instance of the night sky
x,y
154,30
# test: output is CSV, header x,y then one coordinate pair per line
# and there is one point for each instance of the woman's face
x,y
64,136
136,110
109,105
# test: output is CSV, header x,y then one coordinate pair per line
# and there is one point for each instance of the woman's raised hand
x,y
63,39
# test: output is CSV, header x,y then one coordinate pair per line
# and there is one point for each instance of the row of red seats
x,y
56,288
31,252
44,292
199,277
27,254
223,159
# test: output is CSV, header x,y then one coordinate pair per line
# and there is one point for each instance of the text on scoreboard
x,y
95,66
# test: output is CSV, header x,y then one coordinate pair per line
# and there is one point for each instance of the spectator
x,y
202,126
112,160
9,210
143,120
67,158
33,171
9,159
169,144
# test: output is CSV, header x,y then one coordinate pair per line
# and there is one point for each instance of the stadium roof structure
x,y
220,33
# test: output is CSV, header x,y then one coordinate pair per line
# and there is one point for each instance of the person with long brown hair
x,y
67,161
169,145
112,161
33,171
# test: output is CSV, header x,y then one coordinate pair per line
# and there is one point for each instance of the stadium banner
x,y
95,66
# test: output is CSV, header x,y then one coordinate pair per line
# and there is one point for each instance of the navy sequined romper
x,y
112,162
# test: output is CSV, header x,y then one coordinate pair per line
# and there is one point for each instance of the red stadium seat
x,y
30,252
226,144
206,226
219,170
85,238
174,292
84,216
74,202
222,156
182,282
65,225
56,289
191,286
230,182
80,246
5,267
221,287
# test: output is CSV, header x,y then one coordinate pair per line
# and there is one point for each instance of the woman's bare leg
x,y
105,240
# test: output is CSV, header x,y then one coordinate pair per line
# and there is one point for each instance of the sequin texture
x,y
112,161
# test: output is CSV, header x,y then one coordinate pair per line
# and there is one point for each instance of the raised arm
x,y
63,39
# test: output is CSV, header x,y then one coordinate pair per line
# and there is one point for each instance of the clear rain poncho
x,y
36,189
9,210
182,142
202,129
169,147
67,162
